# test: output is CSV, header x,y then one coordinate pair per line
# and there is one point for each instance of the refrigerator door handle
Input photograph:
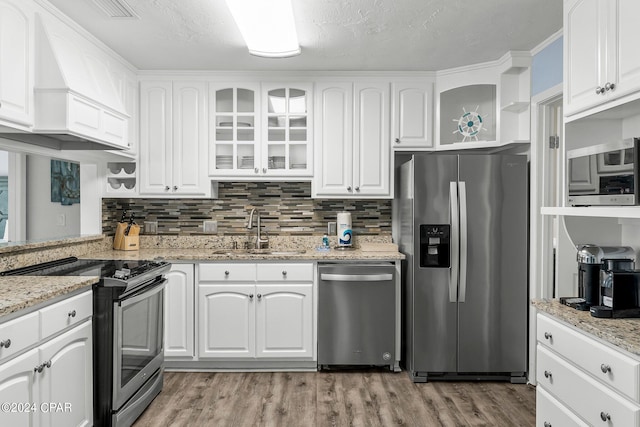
x,y
455,241
462,189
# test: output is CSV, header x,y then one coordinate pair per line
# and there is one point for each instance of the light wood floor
x,y
321,399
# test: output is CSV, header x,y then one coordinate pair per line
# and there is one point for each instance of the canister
x,y
345,235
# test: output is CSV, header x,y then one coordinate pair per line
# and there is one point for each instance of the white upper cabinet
x,y
16,63
173,138
412,115
234,129
352,137
600,44
286,130
260,131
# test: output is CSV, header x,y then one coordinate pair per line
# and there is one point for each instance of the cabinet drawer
x,y
284,272
596,403
604,363
18,334
550,412
70,311
228,272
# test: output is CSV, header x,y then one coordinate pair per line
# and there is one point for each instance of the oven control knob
x,y
122,273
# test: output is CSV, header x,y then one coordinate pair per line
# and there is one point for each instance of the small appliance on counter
x,y
619,294
592,261
345,234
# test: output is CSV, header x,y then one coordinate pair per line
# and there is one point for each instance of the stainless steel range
x,y
128,318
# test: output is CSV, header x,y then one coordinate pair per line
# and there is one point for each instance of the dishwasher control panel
x,y
435,245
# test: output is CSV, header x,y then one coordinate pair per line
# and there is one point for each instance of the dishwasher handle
x,y
356,277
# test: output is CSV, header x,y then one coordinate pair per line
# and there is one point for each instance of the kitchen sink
x,y
232,252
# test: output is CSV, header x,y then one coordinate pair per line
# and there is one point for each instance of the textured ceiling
x,y
334,34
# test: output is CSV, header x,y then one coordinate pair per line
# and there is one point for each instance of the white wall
x,y
47,220
4,163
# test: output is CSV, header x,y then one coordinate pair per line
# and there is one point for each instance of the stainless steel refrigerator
x,y
463,227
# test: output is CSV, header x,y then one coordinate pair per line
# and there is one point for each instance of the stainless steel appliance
x,y
357,315
463,228
605,174
128,328
592,259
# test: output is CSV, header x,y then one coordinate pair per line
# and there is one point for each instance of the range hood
x,y
76,104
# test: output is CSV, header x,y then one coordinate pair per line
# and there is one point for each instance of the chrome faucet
x,y
261,242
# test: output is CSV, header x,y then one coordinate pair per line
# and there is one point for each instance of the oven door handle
x,y
143,293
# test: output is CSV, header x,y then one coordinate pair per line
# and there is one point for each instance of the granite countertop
x,y
22,292
207,254
623,333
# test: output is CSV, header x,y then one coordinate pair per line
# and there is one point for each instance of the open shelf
x,y
516,107
594,211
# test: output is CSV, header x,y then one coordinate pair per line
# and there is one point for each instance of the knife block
x,y
129,242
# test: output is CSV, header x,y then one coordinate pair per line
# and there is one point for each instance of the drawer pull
x,y
547,374
605,417
72,313
284,272
605,368
226,273
547,336
6,343
251,297
547,424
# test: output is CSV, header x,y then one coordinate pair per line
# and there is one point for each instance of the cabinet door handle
x,y
357,188
397,140
609,86
259,296
175,188
284,272
547,424
256,170
349,188
251,297
39,368
6,343
264,170
605,368
605,416
72,313
547,336
547,374
226,273
166,188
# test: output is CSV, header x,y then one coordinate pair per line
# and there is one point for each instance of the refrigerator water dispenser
x,y
435,243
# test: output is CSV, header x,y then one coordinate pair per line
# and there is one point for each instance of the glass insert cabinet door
x,y
234,129
287,129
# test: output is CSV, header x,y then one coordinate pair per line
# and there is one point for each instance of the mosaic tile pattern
x,y
286,208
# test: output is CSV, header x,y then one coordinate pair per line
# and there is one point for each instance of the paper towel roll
x,y
345,235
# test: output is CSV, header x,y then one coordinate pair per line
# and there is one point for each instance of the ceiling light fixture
x,y
267,26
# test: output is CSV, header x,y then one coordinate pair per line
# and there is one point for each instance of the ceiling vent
x,y
116,9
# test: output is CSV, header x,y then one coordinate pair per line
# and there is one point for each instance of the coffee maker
x,y
592,260
619,294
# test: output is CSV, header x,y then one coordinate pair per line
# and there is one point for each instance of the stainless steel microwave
x,y
604,175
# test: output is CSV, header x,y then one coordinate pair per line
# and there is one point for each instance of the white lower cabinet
x,y
581,380
178,312
227,320
51,385
267,317
284,321
66,382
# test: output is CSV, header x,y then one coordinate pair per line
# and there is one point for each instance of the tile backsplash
x,y
286,208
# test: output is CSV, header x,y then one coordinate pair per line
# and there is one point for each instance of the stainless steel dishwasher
x,y
356,315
